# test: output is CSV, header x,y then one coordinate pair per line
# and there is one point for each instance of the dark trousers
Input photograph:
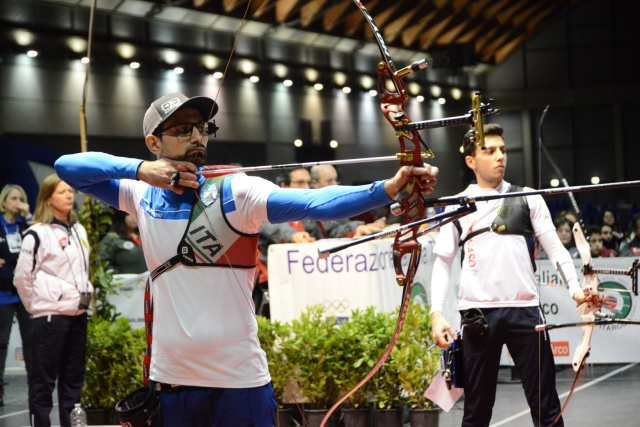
x,y
533,358
219,407
59,347
7,314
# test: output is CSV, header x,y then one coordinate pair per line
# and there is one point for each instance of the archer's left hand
x,y
425,174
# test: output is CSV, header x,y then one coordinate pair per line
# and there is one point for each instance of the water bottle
x,y
78,416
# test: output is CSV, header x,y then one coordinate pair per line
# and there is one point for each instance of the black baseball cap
x,y
162,108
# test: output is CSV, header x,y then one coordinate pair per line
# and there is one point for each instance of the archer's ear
x,y
471,162
153,144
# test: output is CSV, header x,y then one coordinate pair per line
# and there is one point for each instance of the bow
x,y
411,199
590,309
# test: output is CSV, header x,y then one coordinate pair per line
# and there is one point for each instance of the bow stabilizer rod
x,y
453,200
439,220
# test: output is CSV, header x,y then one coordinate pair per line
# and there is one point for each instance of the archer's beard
x,y
198,158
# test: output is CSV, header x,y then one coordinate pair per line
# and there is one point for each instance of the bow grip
x,y
413,248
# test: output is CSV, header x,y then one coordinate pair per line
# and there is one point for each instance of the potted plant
x,y
417,366
272,336
361,341
114,351
114,360
387,391
311,352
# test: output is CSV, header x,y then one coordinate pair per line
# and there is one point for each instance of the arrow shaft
x,y
212,171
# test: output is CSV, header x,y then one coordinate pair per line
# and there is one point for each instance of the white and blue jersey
x,y
205,331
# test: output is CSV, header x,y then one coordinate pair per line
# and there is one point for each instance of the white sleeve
x,y
446,249
24,277
440,277
560,258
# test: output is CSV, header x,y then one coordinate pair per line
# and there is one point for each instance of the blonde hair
x,y
5,193
43,212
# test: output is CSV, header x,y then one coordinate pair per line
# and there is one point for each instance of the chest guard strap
x,y
513,218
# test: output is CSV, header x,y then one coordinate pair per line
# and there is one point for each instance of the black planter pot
x,y
424,417
283,417
359,417
315,416
101,417
387,417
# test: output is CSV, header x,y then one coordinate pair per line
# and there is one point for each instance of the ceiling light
x,y
595,180
247,66
85,60
333,143
414,88
366,82
340,78
288,83
134,65
178,70
442,101
373,92
311,74
456,93
254,79
420,98
297,142
210,61
554,182
218,75
346,89
280,70
436,91
32,53
318,86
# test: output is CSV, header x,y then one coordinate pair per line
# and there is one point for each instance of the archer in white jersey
x,y
204,329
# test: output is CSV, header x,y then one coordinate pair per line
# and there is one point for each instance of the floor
x,y
605,396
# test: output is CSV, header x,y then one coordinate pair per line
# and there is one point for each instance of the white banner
x,y
357,277
129,300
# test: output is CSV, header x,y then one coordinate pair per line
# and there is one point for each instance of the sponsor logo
x,y
617,300
170,105
336,306
560,348
209,193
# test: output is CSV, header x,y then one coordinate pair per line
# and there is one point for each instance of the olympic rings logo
x,y
336,306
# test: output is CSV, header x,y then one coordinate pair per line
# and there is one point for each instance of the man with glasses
x,y
200,243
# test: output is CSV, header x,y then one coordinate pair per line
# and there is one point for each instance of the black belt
x,y
169,388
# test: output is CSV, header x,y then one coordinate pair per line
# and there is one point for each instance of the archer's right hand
x,y
441,330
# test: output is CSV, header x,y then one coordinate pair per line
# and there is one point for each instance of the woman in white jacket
x,y
52,279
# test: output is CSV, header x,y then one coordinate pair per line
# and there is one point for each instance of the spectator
x,y
15,214
564,230
631,246
121,248
595,240
570,215
610,247
52,278
609,218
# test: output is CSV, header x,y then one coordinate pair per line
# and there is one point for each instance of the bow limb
x,y
85,86
587,311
